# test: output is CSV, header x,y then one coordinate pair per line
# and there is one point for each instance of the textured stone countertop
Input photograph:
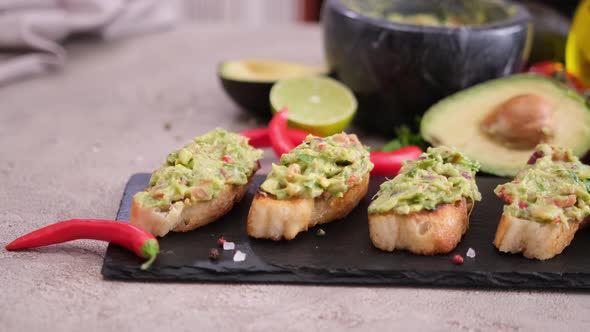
x,y
70,140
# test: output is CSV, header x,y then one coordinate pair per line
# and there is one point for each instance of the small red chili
x,y
389,163
522,205
124,234
158,195
457,259
259,137
277,130
545,67
557,71
220,241
228,159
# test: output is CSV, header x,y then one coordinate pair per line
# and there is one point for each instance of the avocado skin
x,y
398,71
250,96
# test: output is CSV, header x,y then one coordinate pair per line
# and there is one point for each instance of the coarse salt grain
x,y
470,253
229,245
239,256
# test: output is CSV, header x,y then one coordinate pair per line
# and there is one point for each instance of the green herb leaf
x,y
404,137
411,173
305,158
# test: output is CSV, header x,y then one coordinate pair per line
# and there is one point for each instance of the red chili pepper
x,y
556,70
284,139
545,67
124,234
259,137
277,130
389,163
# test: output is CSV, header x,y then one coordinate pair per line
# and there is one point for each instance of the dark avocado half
x,y
248,82
499,122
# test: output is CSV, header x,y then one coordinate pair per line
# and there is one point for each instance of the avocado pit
x,y
520,122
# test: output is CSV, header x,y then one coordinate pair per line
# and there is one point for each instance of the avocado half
x,y
462,121
248,82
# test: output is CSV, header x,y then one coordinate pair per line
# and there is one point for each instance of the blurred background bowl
x,y
397,70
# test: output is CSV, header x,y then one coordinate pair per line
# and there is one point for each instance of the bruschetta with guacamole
x,y
197,184
319,181
544,205
425,209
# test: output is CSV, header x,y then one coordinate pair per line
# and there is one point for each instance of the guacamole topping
x,y
328,166
199,170
433,20
553,187
440,175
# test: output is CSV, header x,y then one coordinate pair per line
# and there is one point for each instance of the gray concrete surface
x,y
68,143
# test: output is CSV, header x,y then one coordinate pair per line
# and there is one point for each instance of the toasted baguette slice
x,y
186,217
534,239
275,219
423,233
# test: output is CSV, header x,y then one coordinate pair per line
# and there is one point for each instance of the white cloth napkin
x,y
31,30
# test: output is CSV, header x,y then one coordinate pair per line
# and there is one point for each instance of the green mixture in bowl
x,y
443,13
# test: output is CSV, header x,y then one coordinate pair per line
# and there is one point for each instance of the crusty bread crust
x,y
186,217
534,239
423,233
275,219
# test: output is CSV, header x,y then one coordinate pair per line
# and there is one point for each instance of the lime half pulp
x,y
320,105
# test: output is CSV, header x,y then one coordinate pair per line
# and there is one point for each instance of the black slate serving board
x,y
345,255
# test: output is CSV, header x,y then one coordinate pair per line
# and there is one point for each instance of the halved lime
x,y
320,105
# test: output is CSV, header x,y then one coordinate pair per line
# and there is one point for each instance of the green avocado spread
x,y
440,175
553,187
456,13
328,165
199,170
433,20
